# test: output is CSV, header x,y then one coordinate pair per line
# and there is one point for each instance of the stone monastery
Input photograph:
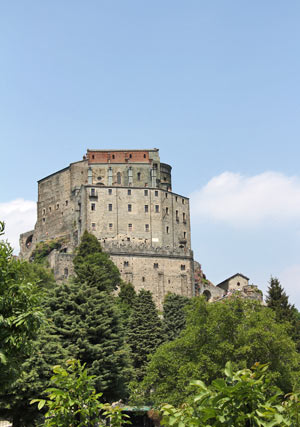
x,y
125,198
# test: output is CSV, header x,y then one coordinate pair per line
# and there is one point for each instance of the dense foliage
x,y
174,316
238,330
20,314
73,401
241,399
144,331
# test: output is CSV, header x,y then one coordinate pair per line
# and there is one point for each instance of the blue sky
x,y
213,84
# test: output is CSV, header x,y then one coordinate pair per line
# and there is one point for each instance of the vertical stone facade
x,y
125,198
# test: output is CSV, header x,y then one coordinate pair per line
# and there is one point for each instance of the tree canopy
x,y
238,330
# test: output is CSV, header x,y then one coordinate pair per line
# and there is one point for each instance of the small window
x,y
147,227
129,227
144,156
57,206
145,192
166,195
93,225
119,178
110,191
155,265
130,156
167,229
183,201
110,207
126,263
44,211
93,206
184,234
93,192
66,272
44,219
183,217
238,284
129,192
113,156
167,211
156,208
146,208
177,217
182,267
49,208
143,279
110,226
176,198
67,202
93,156
156,193
139,176
129,208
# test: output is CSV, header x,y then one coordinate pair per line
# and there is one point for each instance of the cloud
x,y
242,201
19,216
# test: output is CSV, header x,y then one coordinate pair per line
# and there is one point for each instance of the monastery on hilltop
x,y
125,198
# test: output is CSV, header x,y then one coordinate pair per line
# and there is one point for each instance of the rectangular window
x,y
126,263
145,192
93,206
139,176
184,234
110,207
166,195
110,226
129,208
183,201
49,208
156,193
93,192
167,211
147,227
129,192
93,225
146,208
129,227
155,265
177,217
110,191
167,229
156,208
183,217
182,267
176,198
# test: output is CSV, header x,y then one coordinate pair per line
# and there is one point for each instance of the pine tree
x,y
278,301
87,319
174,315
145,332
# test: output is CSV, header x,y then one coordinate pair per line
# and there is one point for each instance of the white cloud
x,y
19,216
241,201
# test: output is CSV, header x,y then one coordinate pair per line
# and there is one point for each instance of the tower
x,y
125,198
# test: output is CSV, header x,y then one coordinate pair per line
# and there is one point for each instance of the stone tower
x,y
125,198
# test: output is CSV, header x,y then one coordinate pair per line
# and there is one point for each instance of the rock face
x,y
125,198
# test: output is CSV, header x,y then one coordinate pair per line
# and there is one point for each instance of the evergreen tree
x,y
145,332
174,315
125,302
87,319
278,301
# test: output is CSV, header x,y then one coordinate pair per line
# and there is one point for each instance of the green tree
x,y
238,330
20,314
145,331
242,399
174,315
73,401
88,322
278,301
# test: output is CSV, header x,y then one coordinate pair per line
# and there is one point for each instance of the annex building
x,y
125,198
